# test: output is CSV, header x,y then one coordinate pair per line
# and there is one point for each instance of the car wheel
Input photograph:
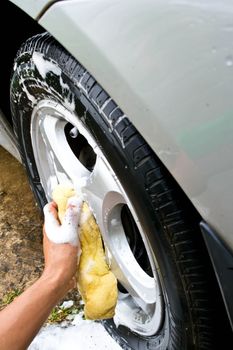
x,y
69,129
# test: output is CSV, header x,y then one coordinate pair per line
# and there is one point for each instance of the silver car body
x,y
169,66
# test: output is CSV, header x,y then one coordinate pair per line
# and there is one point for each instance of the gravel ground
x,y
21,258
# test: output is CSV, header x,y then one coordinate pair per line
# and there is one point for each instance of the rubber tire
x,y
168,219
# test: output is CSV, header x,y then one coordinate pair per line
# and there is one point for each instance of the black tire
x,y
168,219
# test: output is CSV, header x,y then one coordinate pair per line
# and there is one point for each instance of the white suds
x,y
44,66
67,304
29,96
64,85
81,334
68,231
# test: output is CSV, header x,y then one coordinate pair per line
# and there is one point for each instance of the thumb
x,y
50,217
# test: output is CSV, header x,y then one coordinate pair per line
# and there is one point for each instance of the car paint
x,y
33,8
169,66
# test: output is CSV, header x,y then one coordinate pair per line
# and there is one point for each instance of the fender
x,y
34,8
169,66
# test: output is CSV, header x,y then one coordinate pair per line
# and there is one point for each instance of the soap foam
x,y
68,231
81,335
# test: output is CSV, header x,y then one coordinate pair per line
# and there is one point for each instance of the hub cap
x,y
66,152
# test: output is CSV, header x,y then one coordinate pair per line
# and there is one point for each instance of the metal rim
x,y
140,302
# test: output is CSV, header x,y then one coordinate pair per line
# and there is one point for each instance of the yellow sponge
x,y
96,283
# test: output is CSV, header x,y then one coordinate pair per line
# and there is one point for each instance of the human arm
x,y
21,320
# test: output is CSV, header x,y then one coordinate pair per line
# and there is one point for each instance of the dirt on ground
x,y
21,257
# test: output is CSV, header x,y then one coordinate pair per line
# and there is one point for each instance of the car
x,y
131,102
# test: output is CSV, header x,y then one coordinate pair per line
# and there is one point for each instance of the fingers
x,y
68,231
51,223
72,213
50,211
71,220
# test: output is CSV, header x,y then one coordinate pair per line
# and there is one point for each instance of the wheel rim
x,y
59,160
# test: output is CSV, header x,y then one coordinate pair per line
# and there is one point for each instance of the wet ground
x,y
21,258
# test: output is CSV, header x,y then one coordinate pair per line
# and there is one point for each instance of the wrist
x,y
54,282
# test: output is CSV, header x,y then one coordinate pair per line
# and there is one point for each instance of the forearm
x,y
21,320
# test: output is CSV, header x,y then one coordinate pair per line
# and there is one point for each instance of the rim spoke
x,y
138,284
66,166
101,192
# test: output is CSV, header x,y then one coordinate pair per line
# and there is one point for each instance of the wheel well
x,y
23,27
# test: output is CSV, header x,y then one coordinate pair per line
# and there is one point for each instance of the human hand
x,y
61,243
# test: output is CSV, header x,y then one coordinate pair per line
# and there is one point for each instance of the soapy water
x,y
80,334
67,232
45,67
80,184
